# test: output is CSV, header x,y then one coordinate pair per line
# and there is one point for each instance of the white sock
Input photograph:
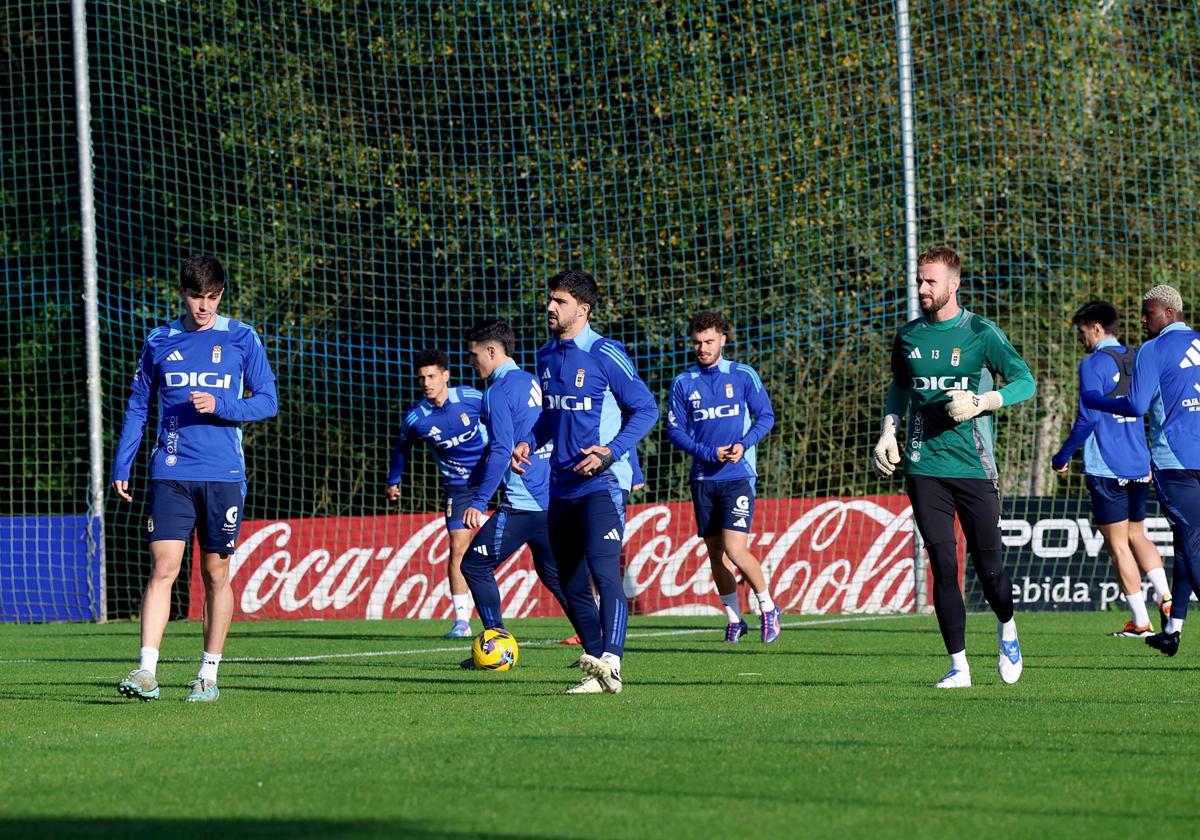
x,y
209,662
1158,579
1007,630
462,608
733,607
149,660
764,601
1174,625
958,661
1137,606
613,660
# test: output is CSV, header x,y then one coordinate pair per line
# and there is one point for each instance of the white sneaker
x,y
1009,663
608,676
955,679
587,685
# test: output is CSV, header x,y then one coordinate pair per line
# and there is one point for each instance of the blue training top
x,y
226,360
591,396
711,407
453,433
1166,384
511,405
1114,446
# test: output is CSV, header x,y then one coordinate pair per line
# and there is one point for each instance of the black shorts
x,y
1118,499
935,501
212,508
722,506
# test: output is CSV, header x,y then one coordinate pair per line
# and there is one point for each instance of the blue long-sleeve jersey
x,y
591,396
511,405
226,361
453,433
1166,385
1114,446
716,406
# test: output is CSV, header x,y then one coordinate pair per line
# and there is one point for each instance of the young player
x,y
1166,384
596,409
447,420
1116,461
200,368
511,405
943,369
718,412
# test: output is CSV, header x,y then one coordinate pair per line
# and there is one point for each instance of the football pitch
x,y
347,729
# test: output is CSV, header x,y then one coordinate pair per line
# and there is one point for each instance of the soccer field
x,y
370,728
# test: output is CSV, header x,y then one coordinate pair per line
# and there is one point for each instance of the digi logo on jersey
x,y
568,402
716,412
179,379
450,443
939,383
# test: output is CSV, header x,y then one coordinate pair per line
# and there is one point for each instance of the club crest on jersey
x,y
466,421
729,390
955,356
216,356
579,374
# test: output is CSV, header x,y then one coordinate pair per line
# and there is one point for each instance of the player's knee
x,y
943,560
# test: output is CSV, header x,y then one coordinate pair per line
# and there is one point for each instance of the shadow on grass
x,y
240,828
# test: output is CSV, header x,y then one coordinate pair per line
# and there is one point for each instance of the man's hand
x,y
963,405
599,458
473,518
520,458
730,454
204,403
121,488
637,487
1064,469
393,492
886,455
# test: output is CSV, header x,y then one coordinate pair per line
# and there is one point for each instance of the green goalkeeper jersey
x,y
962,354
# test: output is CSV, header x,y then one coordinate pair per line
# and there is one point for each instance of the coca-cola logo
x,y
821,556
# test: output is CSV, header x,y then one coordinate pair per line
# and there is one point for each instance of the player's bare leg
x,y
722,573
460,593
218,613
1148,559
166,558
736,544
1116,539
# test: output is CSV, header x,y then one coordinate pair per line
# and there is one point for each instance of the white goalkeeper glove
x,y
963,405
886,454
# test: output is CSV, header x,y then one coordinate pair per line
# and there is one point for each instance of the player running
x,y
718,412
943,371
596,409
200,367
511,405
1166,385
447,420
1116,462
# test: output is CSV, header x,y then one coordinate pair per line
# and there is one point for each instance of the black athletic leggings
x,y
977,503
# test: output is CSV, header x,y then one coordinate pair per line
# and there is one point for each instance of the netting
x,y
377,175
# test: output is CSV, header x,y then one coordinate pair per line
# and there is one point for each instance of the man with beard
x,y
943,372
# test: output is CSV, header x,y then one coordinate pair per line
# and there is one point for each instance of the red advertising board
x,y
833,555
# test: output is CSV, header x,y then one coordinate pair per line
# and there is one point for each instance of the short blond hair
x,y
1168,296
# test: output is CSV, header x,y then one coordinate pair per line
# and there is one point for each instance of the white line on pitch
x,y
532,643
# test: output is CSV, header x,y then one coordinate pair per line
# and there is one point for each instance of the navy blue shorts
x,y
1117,499
722,506
212,508
457,500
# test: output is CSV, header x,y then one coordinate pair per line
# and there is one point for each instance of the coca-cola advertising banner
x,y
839,555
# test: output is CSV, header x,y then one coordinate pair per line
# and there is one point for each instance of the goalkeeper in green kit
x,y
943,372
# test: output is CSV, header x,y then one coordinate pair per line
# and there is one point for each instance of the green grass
x,y
835,729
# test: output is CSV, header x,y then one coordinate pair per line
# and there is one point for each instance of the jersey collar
x,y
499,372
723,365
584,341
1107,341
1176,327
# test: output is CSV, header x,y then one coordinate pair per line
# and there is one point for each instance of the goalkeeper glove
x,y
963,405
887,452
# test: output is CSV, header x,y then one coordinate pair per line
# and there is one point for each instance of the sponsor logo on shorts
x,y
149,524
613,535
742,504
231,518
172,460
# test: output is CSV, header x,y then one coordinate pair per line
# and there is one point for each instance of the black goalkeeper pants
x,y
935,501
